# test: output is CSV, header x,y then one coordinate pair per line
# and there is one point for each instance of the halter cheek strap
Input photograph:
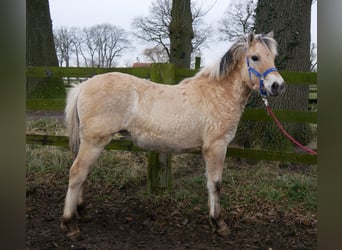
x,y
261,76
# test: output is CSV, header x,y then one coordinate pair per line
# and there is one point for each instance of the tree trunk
x,y
40,51
181,33
290,20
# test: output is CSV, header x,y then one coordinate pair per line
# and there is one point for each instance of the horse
x,y
201,112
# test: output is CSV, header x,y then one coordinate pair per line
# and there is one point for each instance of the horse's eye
x,y
255,58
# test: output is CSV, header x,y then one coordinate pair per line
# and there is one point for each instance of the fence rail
x,y
86,72
176,75
127,145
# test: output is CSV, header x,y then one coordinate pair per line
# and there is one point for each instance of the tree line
x,y
100,45
95,46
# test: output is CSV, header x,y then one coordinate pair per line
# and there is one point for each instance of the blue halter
x,y
261,76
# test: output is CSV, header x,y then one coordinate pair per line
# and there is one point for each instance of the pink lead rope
x,y
275,119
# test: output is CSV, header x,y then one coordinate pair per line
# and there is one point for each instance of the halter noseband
x,y
261,76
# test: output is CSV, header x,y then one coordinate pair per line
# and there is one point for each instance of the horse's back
x,y
113,82
157,116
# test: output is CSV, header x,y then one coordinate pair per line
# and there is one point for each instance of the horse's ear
x,y
270,34
250,37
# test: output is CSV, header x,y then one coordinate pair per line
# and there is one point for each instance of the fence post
x,y
197,62
159,175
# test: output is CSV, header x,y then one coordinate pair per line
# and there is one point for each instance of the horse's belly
x,y
166,130
160,143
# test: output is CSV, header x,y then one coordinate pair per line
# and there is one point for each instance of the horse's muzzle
x,y
277,88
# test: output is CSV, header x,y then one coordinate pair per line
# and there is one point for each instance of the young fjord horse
x,y
200,112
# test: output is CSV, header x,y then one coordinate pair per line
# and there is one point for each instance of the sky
x,y
86,13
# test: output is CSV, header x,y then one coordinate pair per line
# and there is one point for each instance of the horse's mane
x,y
231,58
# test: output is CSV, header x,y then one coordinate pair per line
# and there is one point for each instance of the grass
x,y
248,188
44,159
120,169
265,184
45,126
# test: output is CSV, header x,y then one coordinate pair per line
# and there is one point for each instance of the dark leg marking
x,y
218,187
82,212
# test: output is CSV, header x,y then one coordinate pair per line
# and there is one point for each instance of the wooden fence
x,y
159,164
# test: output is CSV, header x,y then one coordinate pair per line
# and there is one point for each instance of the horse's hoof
x,y
73,235
70,228
224,231
219,227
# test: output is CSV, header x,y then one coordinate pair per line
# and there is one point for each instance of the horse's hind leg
x,y
81,210
87,155
214,157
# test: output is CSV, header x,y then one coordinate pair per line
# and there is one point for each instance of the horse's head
x,y
261,51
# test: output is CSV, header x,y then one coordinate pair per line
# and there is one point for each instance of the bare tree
x,y
90,46
238,20
110,42
63,44
77,40
202,31
154,29
156,54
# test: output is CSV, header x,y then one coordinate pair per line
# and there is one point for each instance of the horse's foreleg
x,y
79,170
214,157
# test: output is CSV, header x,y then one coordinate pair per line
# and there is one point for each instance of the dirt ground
x,y
121,220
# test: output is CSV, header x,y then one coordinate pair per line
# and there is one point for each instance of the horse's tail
x,y
72,119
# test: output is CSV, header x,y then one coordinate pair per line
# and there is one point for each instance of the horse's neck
x,y
231,90
238,89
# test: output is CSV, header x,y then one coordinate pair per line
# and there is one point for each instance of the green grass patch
x,y
191,190
268,184
45,127
47,159
299,189
119,168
